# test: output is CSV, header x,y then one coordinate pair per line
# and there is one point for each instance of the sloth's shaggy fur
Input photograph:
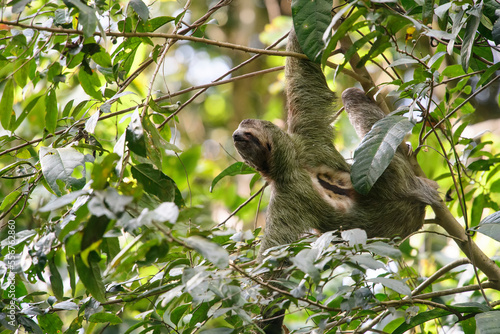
x,y
310,180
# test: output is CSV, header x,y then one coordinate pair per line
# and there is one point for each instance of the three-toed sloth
x,y
310,180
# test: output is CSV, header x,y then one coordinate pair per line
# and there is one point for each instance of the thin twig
x,y
438,274
242,205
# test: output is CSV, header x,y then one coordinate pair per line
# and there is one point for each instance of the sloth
x,y
310,180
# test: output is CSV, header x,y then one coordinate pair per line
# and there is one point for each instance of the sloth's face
x,y
253,140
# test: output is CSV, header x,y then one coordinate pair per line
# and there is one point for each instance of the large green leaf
x,y
496,31
305,261
483,164
209,250
155,182
470,35
420,319
6,104
50,323
56,280
59,165
140,8
59,202
51,112
31,105
342,30
490,226
488,323
87,18
487,74
427,11
90,83
310,20
104,317
393,284
93,231
135,135
91,275
376,151
154,23
235,169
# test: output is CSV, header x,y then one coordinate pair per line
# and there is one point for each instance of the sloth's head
x,y
260,144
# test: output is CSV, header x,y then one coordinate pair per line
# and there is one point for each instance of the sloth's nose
x,y
238,136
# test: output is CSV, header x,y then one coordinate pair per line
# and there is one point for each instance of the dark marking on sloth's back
x,y
334,188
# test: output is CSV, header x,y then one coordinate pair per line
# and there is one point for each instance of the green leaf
x,y
6,104
51,112
383,249
376,151
209,250
305,261
140,8
104,170
342,30
87,18
25,112
50,323
488,323
237,168
379,46
495,32
73,244
396,285
470,307
477,209
156,145
367,261
356,46
483,164
62,201
103,317
19,5
453,71
469,36
93,231
427,11
135,135
9,200
490,226
102,58
495,186
66,305
21,74
420,319
56,280
487,74
59,164
199,314
155,23
90,83
219,330
91,276
154,182
311,20
177,314
71,272
403,61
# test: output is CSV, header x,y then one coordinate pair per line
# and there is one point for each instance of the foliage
x,y
110,223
